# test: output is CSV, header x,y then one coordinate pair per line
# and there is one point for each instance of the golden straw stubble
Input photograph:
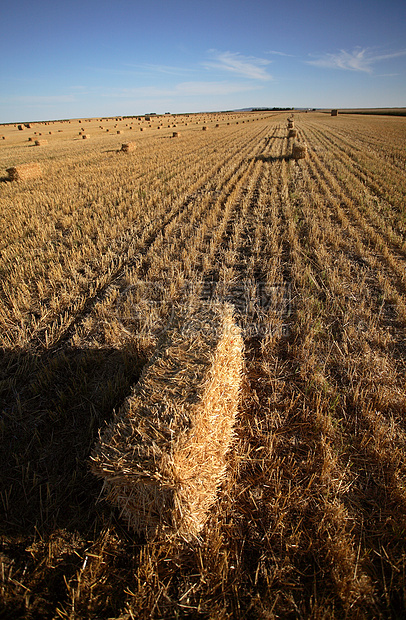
x,y
164,455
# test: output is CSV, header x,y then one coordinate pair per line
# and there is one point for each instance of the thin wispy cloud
x,y
244,66
39,99
280,53
183,89
155,68
359,59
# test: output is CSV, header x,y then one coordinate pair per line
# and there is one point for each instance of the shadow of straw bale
x,y
52,406
272,158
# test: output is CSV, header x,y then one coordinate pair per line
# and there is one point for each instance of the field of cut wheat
x,y
100,247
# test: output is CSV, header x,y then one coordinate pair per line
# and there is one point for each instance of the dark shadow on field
x,y
272,158
52,407
5,180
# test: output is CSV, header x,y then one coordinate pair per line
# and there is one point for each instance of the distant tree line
x,y
271,109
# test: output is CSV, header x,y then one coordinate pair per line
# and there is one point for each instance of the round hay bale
x,y
217,125
119,131
41,142
292,133
299,151
85,136
175,134
204,128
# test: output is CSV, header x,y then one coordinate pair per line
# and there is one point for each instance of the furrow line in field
x,y
361,178
160,258
122,252
299,462
339,197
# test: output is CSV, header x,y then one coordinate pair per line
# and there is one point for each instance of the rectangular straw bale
x,y
164,455
128,147
24,172
299,151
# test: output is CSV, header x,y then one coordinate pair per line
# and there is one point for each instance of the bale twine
x,y
292,133
128,147
24,172
164,455
299,151
41,142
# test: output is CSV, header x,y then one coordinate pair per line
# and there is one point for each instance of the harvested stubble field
x,y
310,519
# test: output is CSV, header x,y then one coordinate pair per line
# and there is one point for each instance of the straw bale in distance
x,y
175,134
41,142
292,133
24,172
85,136
334,112
128,147
163,456
299,151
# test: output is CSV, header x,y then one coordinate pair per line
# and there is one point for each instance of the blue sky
x,y
101,58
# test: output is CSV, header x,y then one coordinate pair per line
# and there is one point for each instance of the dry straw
x,y
128,147
164,455
299,151
24,172
41,142
292,133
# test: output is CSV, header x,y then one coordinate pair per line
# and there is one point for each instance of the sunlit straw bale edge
x,y
164,456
